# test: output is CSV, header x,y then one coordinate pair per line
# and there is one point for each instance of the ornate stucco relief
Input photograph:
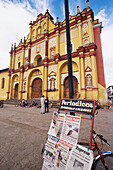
x,y
52,68
62,37
87,62
52,42
33,53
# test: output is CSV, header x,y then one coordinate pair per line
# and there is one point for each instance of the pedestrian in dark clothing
x,y
46,105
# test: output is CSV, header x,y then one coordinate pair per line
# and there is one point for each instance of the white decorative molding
x,y
63,76
87,73
16,82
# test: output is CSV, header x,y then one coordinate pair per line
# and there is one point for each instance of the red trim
x,y
53,90
9,74
78,18
73,23
81,55
94,88
83,88
80,50
52,33
46,48
92,53
99,57
88,70
7,92
88,87
92,46
51,73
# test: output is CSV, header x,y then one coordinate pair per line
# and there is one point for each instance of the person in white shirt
x,y
42,105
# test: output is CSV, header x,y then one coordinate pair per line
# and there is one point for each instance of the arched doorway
x,y
66,87
37,88
16,91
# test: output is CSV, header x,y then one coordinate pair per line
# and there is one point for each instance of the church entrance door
x,y
37,88
66,87
16,91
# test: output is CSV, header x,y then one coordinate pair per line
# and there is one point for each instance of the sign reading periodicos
x,y
80,106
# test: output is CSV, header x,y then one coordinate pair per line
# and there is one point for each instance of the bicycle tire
x,y
98,165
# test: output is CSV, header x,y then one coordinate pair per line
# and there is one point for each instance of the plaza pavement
x,y
23,132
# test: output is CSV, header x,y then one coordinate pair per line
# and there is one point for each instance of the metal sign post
x,y
70,74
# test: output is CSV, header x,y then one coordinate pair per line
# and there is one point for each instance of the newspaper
x,y
61,150
48,165
71,128
56,125
64,152
80,159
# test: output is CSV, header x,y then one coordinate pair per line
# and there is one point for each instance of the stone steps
x,y
55,104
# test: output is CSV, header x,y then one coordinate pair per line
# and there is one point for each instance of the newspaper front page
x,y
71,128
56,125
80,159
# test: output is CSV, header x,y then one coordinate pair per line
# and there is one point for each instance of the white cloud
x,y
107,45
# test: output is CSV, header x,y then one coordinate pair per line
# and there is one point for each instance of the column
x,y
57,38
82,76
80,33
90,28
57,43
29,55
94,77
45,80
58,78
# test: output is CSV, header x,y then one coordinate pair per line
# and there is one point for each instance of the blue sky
x,y
15,16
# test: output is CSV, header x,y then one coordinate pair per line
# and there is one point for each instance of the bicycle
x,y
104,160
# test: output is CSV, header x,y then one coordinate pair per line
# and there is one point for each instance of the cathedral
x,y
39,65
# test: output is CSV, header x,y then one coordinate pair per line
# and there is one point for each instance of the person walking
x,y
42,105
46,105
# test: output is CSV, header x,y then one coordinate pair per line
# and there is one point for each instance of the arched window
x,y
88,80
3,83
39,61
18,65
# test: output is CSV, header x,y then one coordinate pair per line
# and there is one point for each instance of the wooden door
x,y
37,88
66,88
16,91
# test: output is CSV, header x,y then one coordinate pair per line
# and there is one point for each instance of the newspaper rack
x,y
80,106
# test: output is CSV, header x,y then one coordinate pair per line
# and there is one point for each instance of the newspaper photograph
x,y
71,128
48,165
56,125
80,159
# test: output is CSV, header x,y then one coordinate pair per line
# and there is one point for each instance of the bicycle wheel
x,y
98,165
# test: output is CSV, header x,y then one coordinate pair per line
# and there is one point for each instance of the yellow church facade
x,y
39,65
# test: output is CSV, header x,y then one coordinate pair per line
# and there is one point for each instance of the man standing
x,y
46,105
42,105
